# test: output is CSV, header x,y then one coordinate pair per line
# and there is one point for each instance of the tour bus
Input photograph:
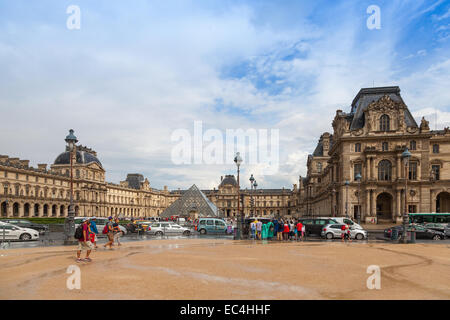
x,y
424,218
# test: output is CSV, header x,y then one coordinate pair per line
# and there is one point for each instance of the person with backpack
x,y
93,231
84,242
108,230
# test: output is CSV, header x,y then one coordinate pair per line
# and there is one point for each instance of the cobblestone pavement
x,y
224,269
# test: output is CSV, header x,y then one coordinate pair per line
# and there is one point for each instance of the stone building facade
x,y
45,192
370,140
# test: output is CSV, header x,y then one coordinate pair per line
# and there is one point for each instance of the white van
x,y
344,220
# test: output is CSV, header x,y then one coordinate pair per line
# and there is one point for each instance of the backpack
x,y
78,233
105,229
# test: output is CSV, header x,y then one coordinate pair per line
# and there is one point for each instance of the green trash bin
x,y
394,234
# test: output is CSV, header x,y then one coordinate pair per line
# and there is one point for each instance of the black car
x,y
315,225
41,228
421,232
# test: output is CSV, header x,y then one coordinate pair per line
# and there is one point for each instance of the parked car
x,y
11,232
165,228
211,225
435,226
421,232
344,220
41,228
331,231
447,230
315,225
100,222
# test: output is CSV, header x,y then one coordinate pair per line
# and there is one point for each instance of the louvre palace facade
x,y
45,191
359,168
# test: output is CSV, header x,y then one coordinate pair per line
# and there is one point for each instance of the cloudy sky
x,y
138,71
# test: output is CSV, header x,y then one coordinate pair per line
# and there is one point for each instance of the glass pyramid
x,y
192,203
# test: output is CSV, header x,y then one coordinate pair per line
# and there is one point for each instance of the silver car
x,y
168,228
331,231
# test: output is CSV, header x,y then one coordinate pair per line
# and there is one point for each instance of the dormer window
x,y
384,123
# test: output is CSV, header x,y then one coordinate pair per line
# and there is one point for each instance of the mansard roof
x,y
366,96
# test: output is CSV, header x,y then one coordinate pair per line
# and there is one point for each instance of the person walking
x,y
93,231
84,243
109,233
259,229
117,232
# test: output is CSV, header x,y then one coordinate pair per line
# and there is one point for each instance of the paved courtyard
x,y
225,269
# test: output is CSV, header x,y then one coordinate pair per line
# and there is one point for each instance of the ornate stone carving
x,y
424,125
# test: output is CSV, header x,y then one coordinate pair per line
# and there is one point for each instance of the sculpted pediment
x,y
385,104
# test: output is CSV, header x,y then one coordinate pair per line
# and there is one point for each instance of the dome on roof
x,y
82,157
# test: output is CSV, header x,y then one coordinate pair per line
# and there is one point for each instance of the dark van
x,y
314,226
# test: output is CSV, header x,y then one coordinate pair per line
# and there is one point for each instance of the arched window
x,y
412,145
384,123
384,170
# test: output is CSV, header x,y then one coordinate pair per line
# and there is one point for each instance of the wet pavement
x,y
207,268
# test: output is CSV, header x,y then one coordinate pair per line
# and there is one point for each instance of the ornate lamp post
x,y
238,161
252,179
254,188
69,224
358,178
406,155
346,198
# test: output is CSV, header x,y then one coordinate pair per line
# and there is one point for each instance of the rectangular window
x,y
435,148
357,168
412,171
412,208
357,147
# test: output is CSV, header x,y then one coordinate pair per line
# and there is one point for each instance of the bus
x,y
422,218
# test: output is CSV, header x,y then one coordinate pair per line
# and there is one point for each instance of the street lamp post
x,y
406,155
252,179
69,223
346,198
358,178
238,161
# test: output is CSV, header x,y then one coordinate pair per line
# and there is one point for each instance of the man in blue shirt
x,y
94,230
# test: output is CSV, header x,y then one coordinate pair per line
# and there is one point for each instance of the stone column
x,y
372,169
21,208
398,205
9,209
367,203
399,170
374,205
41,210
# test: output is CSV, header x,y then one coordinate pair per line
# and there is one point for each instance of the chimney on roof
x,y
295,187
165,188
326,143
3,158
14,160
42,166
25,163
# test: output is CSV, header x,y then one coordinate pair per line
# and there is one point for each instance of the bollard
x,y
413,236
